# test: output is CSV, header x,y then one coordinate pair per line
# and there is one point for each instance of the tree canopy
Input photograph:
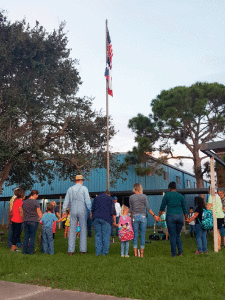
x,y
44,128
186,115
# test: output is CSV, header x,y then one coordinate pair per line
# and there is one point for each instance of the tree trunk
x,y
4,174
198,169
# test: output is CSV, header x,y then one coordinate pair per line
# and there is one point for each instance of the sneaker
x,y
205,252
126,255
122,255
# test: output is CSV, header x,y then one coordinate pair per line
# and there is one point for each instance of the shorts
x,y
165,230
220,223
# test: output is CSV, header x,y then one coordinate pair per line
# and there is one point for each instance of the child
x,y
200,233
222,230
191,224
163,224
78,230
47,229
67,224
125,230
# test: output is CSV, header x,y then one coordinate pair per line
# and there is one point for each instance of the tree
x,y
187,115
44,128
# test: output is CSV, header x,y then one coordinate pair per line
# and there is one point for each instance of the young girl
x,y
126,232
67,224
200,233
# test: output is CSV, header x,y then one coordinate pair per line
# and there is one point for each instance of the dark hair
x,y
200,202
33,192
191,207
19,193
172,185
49,207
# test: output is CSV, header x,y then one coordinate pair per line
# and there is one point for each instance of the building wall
x,y
97,183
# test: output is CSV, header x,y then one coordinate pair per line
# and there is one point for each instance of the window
x,y
188,184
195,185
166,176
178,179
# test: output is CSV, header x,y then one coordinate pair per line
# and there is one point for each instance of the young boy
x,y
47,233
191,224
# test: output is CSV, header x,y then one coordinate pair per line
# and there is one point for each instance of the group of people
x,y
105,213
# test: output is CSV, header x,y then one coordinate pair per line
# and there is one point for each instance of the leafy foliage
x,y
44,128
186,115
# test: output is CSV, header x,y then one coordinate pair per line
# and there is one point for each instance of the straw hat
x,y
79,177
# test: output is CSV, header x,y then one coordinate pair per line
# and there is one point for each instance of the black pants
x,y
16,232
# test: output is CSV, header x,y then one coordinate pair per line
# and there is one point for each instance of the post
x,y
3,217
212,193
60,209
107,111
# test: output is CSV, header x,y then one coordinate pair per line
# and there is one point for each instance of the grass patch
x,y
156,276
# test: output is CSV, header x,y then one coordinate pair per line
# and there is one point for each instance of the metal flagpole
x,y
107,111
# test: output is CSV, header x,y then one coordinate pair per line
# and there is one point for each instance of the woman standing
x,y
200,233
31,216
17,217
138,205
176,210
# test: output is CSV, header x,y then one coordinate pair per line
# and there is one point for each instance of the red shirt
x,y
16,212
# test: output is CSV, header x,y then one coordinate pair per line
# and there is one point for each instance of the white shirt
x,y
118,209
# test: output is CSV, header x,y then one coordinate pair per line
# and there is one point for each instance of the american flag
x,y
108,69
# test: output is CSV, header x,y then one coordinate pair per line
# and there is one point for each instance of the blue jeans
x,y
139,220
9,242
74,218
30,229
201,239
102,236
117,229
175,224
126,246
192,229
47,240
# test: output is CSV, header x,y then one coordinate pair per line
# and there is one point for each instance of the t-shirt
x,y
163,221
219,209
190,215
103,208
175,203
30,210
199,210
138,204
16,212
48,219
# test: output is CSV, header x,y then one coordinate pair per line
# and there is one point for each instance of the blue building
x,y
96,182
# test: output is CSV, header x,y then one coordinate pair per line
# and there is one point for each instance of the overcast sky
x,y
157,44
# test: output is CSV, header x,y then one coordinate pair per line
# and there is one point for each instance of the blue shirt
x,y
103,207
48,219
78,198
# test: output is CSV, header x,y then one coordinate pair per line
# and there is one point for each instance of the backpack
x,y
207,219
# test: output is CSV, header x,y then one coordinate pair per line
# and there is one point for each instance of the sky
x,y
157,45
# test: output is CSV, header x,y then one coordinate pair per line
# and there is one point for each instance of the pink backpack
x,y
126,232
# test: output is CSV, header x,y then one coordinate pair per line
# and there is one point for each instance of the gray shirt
x,y
138,204
30,210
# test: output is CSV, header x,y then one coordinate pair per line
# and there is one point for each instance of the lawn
x,y
156,276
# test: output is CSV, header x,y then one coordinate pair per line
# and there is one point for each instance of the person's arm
x,y
66,201
154,216
21,211
131,208
163,205
60,219
39,213
87,198
193,218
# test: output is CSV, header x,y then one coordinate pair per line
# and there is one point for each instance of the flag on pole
x,y
108,69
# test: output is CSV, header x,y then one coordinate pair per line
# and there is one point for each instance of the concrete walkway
x,y
15,291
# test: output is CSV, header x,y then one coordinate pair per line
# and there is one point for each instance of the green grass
x,y
156,276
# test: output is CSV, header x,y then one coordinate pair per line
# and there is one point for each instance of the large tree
x,y
44,128
190,116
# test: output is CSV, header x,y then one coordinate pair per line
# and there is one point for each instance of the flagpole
x,y
107,112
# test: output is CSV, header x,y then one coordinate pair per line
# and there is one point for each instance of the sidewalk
x,y
16,291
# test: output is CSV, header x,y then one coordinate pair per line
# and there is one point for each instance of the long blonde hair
x,y
137,188
124,209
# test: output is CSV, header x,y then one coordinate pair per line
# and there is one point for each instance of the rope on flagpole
x,y
107,109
